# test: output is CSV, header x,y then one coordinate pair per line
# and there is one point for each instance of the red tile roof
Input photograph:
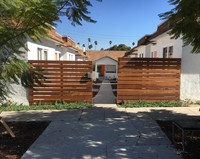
x,y
55,36
65,41
94,55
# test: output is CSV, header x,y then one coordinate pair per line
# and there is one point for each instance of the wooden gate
x,y
151,79
67,81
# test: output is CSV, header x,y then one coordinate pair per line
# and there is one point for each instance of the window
x,y
60,56
165,52
42,54
45,55
152,54
141,55
110,69
70,57
170,53
98,68
39,54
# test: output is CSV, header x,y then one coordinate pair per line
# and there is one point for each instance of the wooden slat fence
x,y
150,79
65,81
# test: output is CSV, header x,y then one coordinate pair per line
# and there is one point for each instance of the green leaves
x,y
20,19
185,16
120,47
24,19
56,106
75,10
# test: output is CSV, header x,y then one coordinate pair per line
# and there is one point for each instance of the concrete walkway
x,y
103,132
105,94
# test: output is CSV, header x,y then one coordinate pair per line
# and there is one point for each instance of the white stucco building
x,y
190,75
160,44
105,63
106,67
54,47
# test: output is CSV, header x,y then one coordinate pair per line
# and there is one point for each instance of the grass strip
x,y
140,104
79,105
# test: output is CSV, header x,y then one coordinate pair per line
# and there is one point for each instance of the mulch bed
x,y
192,147
114,88
94,94
96,87
26,133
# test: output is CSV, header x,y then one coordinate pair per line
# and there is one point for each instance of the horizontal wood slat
x,y
149,79
64,81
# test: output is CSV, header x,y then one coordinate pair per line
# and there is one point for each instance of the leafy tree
x,y
95,42
22,19
185,19
120,47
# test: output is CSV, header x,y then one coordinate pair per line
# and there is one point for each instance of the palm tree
x,y
110,42
89,40
95,42
90,46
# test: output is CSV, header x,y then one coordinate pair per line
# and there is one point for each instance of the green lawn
x,y
56,106
151,104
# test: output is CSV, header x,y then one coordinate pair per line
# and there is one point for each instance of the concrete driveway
x,y
102,132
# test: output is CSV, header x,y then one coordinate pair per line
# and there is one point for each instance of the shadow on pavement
x,y
109,133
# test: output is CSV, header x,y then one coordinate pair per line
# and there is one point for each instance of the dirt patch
x,y
26,133
192,147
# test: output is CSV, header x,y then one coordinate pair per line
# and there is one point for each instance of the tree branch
x,y
35,26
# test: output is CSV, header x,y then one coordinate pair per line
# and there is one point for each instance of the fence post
x,y
61,81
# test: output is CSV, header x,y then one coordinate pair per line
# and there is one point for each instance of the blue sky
x,y
121,21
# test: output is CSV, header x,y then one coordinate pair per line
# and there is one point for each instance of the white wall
x,y
190,75
148,51
19,95
141,50
165,40
68,54
48,45
81,58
